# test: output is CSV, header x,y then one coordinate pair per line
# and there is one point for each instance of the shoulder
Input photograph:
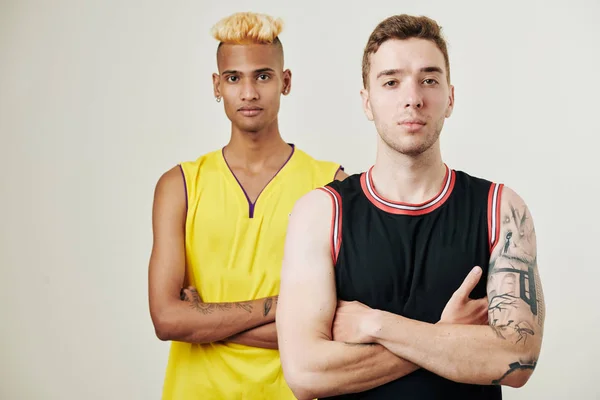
x,y
207,159
330,169
173,182
312,206
466,179
513,205
170,185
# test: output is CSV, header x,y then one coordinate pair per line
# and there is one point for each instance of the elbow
x,y
518,373
303,382
162,332
163,327
518,380
300,383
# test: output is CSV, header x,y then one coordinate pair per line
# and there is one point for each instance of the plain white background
x,y
98,98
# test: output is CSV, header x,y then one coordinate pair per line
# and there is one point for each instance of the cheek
x,y
272,97
384,106
437,102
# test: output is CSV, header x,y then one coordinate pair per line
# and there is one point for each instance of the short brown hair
x,y
403,27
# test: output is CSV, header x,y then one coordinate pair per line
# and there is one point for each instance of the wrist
x,y
372,325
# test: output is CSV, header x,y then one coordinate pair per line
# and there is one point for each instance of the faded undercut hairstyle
x,y
248,28
403,27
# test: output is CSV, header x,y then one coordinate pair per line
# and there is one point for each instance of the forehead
x,y
249,57
410,54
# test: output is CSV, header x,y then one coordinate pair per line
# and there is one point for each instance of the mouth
x,y
250,111
412,125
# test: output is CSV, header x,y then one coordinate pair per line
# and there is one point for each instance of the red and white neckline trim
x,y
366,181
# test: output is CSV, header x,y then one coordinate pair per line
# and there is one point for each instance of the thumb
x,y
469,283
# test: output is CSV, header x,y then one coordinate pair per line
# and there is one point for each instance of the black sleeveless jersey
x,y
408,259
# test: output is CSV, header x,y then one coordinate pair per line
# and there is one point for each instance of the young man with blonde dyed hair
x,y
368,285
219,224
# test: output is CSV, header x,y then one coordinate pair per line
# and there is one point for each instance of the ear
x,y
216,83
287,82
450,102
366,103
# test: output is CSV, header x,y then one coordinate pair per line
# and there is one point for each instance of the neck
x,y
255,148
408,179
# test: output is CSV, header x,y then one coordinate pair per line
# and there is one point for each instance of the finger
x,y
185,295
469,283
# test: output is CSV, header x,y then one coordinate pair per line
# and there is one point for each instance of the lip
x,y
412,125
250,111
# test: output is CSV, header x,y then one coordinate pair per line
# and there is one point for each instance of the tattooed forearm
x,y
246,306
516,366
193,298
208,308
267,306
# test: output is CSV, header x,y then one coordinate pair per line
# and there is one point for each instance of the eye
x,y
430,82
232,78
263,77
390,83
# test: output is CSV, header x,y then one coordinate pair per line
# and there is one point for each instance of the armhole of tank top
x,y
185,189
493,214
336,222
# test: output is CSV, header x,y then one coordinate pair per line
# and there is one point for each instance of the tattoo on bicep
x,y
513,279
267,306
516,366
540,299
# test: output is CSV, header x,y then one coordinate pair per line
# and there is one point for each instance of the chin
x,y
251,127
410,147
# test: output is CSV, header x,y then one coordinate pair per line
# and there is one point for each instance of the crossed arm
x,y
181,315
315,365
506,351
388,346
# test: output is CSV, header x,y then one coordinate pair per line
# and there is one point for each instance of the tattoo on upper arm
x,y
514,280
207,308
514,284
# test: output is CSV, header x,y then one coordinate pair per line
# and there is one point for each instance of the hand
x,y
463,310
190,294
350,321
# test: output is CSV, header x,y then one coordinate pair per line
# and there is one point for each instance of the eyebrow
x,y
258,71
389,72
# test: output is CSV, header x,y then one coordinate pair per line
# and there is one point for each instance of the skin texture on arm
x,y
192,320
506,351
313,364
264,336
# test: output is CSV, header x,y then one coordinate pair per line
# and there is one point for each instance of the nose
x,y
248,91
412,96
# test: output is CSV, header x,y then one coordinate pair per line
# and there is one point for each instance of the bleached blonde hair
x,y
248,28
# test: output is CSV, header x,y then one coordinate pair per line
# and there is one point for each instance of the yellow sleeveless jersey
x,y
234,251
